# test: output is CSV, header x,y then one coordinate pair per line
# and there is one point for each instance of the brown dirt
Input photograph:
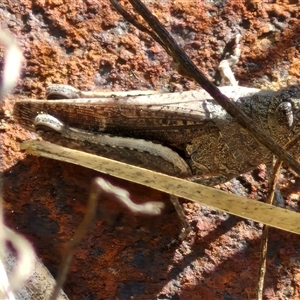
x,y
88,45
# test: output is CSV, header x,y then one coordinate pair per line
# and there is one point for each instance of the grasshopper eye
x,y
284,115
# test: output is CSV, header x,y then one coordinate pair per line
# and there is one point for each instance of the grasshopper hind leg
x,y
137,152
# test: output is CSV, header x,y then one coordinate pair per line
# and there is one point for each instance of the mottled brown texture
x,y
191,123
86,44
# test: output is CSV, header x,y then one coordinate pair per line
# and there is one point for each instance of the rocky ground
x,y
88,45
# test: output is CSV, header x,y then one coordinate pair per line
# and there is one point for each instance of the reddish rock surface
x,y
88,45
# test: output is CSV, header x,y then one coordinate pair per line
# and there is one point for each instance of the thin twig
x,y
98,186
265,231
25,253
75,240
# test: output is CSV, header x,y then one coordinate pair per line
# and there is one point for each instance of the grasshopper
x,y
184,134
181,134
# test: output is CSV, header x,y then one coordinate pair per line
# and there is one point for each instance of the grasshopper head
x,y
288,119
293,97
284,112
